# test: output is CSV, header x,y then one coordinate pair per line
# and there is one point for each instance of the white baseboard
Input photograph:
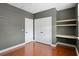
x,y
12,47
65,44
77,51
54,45
69,46
2,52
46,43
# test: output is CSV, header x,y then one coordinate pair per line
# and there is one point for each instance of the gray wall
x,y
78,34
66,30
68,41
48,13
11,24
67,14
77,26
78,45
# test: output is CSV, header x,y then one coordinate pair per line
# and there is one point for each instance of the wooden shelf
x,y
67,36
67,25
68,20
78,38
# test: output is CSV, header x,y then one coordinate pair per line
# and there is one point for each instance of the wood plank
x,y
67,25
67,20
67,36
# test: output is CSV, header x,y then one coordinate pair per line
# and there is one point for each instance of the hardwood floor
x,y
39,49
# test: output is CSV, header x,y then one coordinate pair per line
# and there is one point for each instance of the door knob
x,y
41,32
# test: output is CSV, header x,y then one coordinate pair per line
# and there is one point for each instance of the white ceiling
x,y
37,7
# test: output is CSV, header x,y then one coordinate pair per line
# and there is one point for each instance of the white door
x,y
28,30
43,30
